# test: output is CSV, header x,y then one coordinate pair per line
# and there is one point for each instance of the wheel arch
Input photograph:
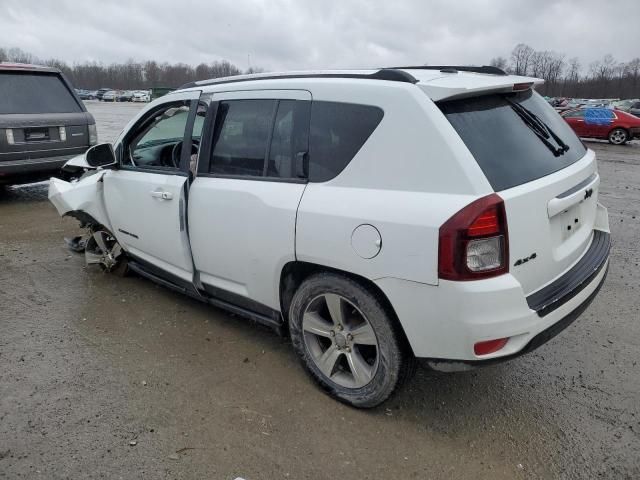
x,y
295,272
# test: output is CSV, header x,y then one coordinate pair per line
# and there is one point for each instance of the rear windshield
x,y
508,151
35,93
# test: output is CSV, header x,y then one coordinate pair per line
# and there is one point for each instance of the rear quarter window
x,y
32,93
338,131
506,149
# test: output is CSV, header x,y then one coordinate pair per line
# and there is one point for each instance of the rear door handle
x,y
162,195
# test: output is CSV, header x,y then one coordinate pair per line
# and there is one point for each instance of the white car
x,y
375,216
140,96
110,96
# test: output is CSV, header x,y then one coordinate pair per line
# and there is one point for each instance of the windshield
x,y
513,136
29,92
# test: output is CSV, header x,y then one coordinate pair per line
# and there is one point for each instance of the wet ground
x,y
104,377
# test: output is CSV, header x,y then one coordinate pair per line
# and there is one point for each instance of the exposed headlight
x,y
63,134
93,134
10,139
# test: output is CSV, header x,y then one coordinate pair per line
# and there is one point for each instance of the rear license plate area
x,y
570,221
36,134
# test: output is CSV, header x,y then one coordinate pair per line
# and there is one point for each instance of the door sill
x,y
272,320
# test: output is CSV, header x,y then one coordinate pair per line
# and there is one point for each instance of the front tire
x,y
347,340
618,136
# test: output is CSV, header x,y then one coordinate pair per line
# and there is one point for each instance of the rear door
x,y
146,196
551,199
40,116
243,203
598,121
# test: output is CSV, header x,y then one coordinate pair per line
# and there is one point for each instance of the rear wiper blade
x,y
540,128
546,127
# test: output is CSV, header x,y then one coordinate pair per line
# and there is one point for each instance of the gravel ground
x,y
103,377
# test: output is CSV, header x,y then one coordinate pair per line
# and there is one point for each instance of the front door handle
x,y
162,195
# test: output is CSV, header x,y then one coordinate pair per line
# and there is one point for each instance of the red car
x,y
614,125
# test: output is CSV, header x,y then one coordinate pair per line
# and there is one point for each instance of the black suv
x,y
43,123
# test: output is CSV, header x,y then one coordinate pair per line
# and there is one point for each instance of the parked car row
x,y
109,95
562,104
125,96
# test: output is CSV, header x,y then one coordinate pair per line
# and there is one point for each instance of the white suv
x,y
445,213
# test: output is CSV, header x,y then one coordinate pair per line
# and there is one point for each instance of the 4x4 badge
x,y
520,261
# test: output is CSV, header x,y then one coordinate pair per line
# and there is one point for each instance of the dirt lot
x,y
102,377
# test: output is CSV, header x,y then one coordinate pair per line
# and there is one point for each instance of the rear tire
x,y
618,136
347,340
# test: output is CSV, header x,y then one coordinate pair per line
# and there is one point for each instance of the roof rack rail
x,y
388,74
488,69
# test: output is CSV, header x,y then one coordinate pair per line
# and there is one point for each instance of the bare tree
x,y
499,62
574,68
521,59
18,55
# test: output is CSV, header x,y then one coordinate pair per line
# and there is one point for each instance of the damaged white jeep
x,y
444,213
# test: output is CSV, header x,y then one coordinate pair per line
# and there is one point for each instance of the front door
x,y
243,203
575,119
146,196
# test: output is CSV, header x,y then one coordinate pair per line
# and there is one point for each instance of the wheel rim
x,y
340,341
103,249
618,136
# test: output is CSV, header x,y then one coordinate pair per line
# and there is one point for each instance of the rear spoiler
x,y
450,87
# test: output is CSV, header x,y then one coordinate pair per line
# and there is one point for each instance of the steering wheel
x,y
177,151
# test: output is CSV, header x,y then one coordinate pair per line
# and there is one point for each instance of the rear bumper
x,y
443,322
31,167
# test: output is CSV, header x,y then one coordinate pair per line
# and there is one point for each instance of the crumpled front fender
x,y
85,195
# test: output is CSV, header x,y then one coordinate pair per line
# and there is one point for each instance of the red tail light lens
x,y
474,243
488,223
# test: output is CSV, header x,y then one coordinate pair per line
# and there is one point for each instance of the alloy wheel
x,y
618,136
340,341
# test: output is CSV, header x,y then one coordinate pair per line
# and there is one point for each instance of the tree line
x,y
130,75
604,78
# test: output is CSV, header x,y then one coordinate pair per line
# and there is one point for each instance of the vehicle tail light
x,y
474,243
93,134
489,346
10,139
521,87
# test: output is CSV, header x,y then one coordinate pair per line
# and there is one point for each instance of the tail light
x,y
474,243
93,134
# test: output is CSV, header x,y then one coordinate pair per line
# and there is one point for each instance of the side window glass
x,y
338,131
290,139
575,114
241,137
157,142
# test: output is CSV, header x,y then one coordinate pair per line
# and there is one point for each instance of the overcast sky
x,y
303,34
